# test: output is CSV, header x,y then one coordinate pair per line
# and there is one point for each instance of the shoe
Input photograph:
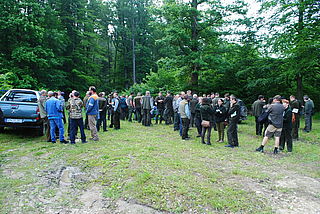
x,y
209,144
94,139
53,141
49,141
105,130
260,149
198,135
203,142
64,141
217,141
221,141
72,143
275,151
229,146
85,142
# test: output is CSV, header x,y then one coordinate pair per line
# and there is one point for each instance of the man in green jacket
x,y
257,108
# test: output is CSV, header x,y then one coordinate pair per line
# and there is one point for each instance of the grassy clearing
x,y
153,166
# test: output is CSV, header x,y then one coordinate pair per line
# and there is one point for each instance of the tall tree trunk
x,y
299,87
299,71
194,48
133,55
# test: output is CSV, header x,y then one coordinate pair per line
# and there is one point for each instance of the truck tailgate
x,y
19,110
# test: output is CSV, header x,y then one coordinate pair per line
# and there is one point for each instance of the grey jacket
x,y
276,114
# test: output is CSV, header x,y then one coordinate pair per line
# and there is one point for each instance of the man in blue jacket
x,y
92,107
54,111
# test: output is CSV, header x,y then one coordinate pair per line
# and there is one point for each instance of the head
x,y
59,93
160,94
189,92
277,99
168,93
233,100
115,94
43,93
132,94
216,95
101,94
55,94
147,93
285,103
93,90
50,93
227,96
212,96
88,94
220,102
195,96
76,94
261,97
138,94
182,94
305,98
292,98
206,101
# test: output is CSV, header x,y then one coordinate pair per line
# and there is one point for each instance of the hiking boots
x,y
260,149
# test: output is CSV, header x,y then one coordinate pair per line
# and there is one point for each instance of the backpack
x,y
123,103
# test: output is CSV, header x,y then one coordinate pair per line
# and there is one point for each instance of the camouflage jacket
x,y
75,108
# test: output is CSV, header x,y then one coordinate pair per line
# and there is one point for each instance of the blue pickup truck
x,y
19,109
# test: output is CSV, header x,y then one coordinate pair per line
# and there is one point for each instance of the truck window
x,y
21,96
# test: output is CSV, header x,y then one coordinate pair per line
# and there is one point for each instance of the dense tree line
x,y
136,45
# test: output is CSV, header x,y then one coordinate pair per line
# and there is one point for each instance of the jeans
x,y
74,124
56,123
203,133
176,125
159,113
103,120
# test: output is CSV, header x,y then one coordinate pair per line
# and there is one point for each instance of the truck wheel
x,y
1,129
41,131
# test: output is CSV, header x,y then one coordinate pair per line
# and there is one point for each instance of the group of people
x,y
279,117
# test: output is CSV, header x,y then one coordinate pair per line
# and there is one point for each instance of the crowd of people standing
x,y
279,117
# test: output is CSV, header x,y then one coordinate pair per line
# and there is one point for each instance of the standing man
x,y
103,105
93,113
308,112
147,105
274,128
234,117
43,113
85,101
193,104
116,110
159,101
296,111
168,112
257,108
227,101
75,108
63,102
176,119
286,134
54,112
185,115
130,106
137,107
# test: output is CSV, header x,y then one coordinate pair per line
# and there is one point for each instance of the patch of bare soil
x,y
294,194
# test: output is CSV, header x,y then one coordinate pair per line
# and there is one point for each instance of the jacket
x,y
257,108
287,118
220,113
93,105
276,115
168,102
137,102
234,113
41,104
160,105
147,102
193,104
103,104
75,108
206,112
53,108
184,109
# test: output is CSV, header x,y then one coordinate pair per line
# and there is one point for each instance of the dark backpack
x,y
123,103
263,117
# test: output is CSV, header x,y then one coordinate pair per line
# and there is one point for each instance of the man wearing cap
x,y
308,112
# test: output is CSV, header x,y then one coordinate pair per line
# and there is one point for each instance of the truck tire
x,y
1,129
41,131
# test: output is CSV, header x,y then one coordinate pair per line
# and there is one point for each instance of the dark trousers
x,y
308,122
197,122
259,127
203,134
111,119
123,113
102,120
86,123
159,113
168,116
116,120
74,124
295,127
46,124
185,127
130,113
138,115
146,117
176,125
192,119
220,127
233,134
286,137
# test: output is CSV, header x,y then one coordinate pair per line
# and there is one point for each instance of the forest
x,y
138,45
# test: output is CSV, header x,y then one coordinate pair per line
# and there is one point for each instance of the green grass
x,y
153,166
